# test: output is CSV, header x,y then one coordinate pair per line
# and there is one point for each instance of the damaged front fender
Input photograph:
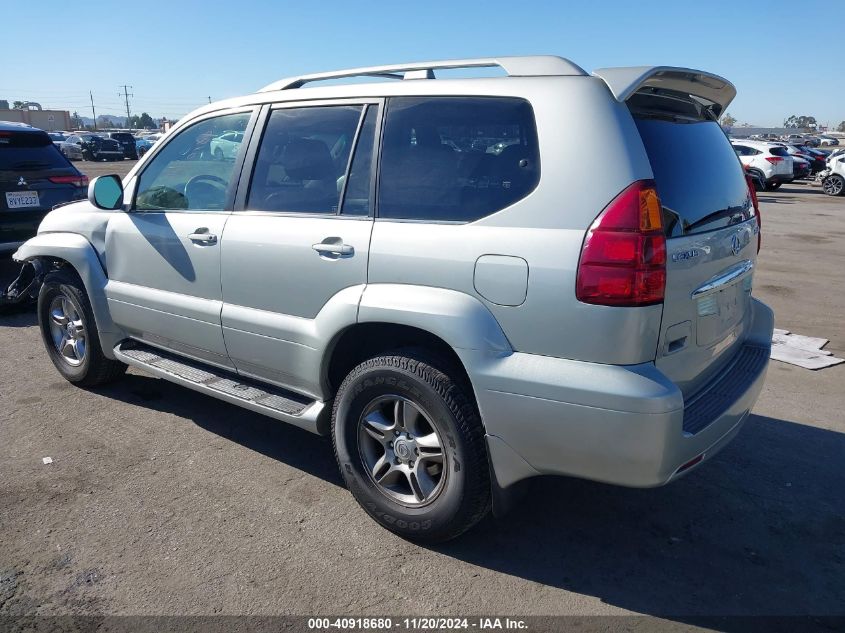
x,y
24,289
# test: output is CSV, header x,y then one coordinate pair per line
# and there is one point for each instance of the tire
x,y
772,186
218,154
452,493
834,185
63,302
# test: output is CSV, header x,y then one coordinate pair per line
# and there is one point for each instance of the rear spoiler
x,y
626,81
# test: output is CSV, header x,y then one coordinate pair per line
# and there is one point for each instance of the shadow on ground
x,y
760,529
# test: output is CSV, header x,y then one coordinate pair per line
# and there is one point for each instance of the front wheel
x,y
834,185
410,446
70,332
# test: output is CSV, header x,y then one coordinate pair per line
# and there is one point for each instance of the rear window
x,y
123,136
28,151
778,151
456,159
699,179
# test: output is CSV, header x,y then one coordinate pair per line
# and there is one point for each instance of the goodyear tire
x,y
410,445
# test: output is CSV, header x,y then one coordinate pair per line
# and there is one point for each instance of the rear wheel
x,y
218,154
771,186
70,332
834,185
410,445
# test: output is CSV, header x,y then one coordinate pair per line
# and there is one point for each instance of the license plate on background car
x,y
22,199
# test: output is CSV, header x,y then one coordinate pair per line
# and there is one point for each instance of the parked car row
x,y
811,140
774,163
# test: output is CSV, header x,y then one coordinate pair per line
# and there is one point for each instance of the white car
x,y
827,141
226,145
769,161
833,180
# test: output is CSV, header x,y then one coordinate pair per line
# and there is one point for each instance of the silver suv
x,y
424,270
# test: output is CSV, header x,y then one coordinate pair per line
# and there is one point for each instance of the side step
x,y
275,402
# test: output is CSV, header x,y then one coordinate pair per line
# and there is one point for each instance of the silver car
x,y
456,319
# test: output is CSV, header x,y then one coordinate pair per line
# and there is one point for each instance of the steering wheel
x,y
199,187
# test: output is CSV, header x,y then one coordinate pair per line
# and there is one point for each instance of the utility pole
x,y
91,94
126,94
209,99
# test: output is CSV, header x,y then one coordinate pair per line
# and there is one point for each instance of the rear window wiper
x,y
729,212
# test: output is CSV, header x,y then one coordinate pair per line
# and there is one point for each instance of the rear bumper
x,y
625,425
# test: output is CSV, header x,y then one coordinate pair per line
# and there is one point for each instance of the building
x,y
35,116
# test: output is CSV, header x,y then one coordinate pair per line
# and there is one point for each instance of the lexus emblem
x,y
735,244
21,182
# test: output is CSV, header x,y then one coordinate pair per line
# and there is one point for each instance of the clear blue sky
x,y
785,56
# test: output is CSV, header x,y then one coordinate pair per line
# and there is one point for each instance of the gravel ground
x,y
163,501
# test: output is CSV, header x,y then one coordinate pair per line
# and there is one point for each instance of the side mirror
x,y
106,192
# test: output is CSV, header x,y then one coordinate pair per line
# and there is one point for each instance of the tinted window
x,y
699,189
356,200
122,136
456,158
185,174
778,151
29,151
302,161
742,150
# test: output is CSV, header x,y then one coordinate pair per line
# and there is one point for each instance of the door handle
x,y
202,236
334,247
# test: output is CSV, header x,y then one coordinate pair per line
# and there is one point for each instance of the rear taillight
x,y
76,181
753,192
623,260
774,159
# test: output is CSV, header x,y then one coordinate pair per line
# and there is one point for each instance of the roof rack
x,y
515,66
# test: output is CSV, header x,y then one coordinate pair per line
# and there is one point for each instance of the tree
x,y
841,127
77,120
17,105
143,120
800,122
728,120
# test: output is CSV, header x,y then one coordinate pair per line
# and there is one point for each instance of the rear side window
x,y
302,162
29,151
699,179
456,159
778,151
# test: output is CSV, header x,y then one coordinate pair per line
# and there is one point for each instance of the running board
x,y
274,402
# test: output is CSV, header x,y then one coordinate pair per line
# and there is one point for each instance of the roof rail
x,y
515,66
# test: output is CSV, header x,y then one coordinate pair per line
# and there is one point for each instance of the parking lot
x,y
163,501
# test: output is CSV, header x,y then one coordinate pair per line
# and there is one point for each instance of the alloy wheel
x,y
67,330
402,450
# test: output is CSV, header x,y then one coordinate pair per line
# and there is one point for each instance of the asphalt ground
x,y
163,501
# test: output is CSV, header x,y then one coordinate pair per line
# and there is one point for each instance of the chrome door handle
x,y
203,237
333,248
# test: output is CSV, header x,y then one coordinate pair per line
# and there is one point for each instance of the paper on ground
x,y
803,351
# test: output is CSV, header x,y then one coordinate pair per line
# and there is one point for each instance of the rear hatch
x,y
34,177
127,142
711,236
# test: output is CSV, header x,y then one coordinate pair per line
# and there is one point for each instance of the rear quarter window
x,y
456,159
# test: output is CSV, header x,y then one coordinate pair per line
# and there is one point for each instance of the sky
x,y
783,56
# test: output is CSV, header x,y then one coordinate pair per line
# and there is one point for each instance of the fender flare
x,y
461,320
79,253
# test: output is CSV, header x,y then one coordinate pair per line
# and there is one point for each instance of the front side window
x,y
303,159
186,173
456,159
